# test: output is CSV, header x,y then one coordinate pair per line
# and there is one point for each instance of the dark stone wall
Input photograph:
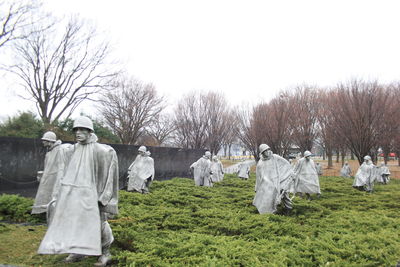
x,y
21,158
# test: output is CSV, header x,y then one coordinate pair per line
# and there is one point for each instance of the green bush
x,y
179,224
14,208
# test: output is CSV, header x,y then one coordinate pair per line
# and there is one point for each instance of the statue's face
x,y
308,158
82,135
267,153
46,143
142,153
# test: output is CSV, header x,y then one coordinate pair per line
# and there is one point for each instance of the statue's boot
x,y
104,259
74,257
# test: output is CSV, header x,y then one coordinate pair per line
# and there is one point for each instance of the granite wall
x,y
21,158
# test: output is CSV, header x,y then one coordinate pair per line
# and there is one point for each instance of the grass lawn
x,y
179,224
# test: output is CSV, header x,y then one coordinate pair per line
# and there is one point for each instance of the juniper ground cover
x,y
179,224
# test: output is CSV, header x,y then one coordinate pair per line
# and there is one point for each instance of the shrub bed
x,y
179,224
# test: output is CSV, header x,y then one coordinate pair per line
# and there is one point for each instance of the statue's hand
x,y
39,175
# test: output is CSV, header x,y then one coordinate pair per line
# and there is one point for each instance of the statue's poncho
x,y
202,171
217,171
384,170
365,176
139,171
383,174
345,171
88,187
273,179
54,166
318,167
306,176
244,170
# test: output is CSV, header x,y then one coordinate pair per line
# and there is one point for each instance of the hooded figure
x,y
217,170
384,173
244,171
365,176
306,174
202,170
141,172
49,179
274,177
345,171
88,193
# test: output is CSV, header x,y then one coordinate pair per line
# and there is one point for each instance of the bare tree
x,y
18,20
217,115
201,120
326,130
391,120
230,133
59,72
130,108
274,125
359,109
190,122
161,129
304,107
247,131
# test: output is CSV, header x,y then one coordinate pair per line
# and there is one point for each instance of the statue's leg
x,y
106,239
147,184
287,203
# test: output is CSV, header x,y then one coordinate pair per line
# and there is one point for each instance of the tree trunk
x,y
351,156
337,156
329,156
343,157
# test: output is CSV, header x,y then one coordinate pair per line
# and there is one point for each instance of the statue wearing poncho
x,y
202,170
54,165
217,170
141,172
88,192
345,171
306,176
384,173
244,170
274,177
365,175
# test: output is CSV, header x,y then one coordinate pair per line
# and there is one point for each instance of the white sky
x,y
247,49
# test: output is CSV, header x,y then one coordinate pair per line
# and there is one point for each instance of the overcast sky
x,y
247,49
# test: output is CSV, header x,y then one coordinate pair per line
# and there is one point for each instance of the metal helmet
x,y
207,154
367,158
49,136
263,147
307,153
83,122
142,149
214,157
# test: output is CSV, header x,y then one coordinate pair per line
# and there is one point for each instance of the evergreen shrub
x,y
14,208
179,224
